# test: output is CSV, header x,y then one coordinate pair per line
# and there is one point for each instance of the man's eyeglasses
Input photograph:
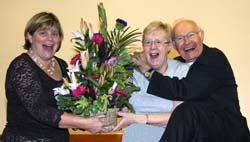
x,y
190,36
157,43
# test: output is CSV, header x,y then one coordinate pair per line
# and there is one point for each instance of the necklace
x,y
50,69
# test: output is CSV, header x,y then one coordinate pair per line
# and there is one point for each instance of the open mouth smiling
x,y
48,46
189,49
154,55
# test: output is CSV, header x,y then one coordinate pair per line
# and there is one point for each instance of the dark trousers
x,y
204,122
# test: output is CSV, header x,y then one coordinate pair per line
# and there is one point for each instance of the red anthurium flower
x,y
121,92
80,90
74,59
98,39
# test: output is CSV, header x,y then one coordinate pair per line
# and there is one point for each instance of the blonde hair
x,y
157,26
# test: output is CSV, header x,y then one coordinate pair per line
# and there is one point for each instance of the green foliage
x,y
103,69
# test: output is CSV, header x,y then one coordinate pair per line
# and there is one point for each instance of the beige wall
x,y
226,24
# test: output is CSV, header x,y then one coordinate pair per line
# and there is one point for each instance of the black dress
x,y
32,114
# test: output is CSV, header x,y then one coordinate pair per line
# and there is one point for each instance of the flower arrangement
x,y
101,76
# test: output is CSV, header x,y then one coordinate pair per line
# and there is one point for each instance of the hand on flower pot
x,y
95,125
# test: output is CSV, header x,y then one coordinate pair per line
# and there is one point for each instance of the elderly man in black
x,y
211,111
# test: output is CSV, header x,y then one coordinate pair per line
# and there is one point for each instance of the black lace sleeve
x,y
24,81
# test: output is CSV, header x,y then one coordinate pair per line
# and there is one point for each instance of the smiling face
x,y
156,47
45,42
44,22
188,39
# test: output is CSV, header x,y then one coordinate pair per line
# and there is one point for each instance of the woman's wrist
x,y
147,119
140,118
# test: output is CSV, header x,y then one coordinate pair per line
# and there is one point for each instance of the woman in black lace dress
x,y
32,114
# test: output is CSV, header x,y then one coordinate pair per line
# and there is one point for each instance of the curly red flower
x,y
121,92
74,59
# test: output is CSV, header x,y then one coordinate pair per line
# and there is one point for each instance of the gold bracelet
x,y
146,118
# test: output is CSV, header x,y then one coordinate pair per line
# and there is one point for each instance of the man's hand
x,y
140,60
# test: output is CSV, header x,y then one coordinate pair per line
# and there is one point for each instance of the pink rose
x,y
98,39
80,90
